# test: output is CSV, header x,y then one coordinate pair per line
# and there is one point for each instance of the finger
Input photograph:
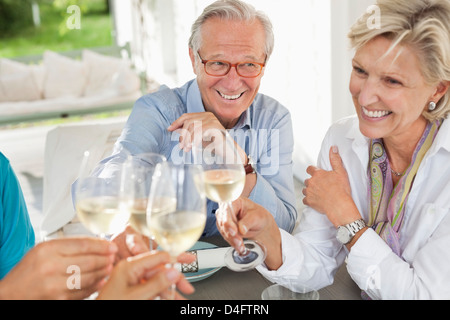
x,y
78,285
185,286
159,284
186,257
306,182
137,244
335,159
153,287
141,263
88,280
311,169
177,124
304,191
225,221
82,246
86,263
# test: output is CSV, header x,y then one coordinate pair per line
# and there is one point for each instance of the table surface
x,y
229,285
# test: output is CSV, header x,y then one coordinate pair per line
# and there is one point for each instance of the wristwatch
x,y
250,166
346,233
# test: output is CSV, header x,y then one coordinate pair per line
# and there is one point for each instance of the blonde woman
x,y
380,195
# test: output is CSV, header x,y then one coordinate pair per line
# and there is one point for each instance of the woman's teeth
x,y
230,97
375,114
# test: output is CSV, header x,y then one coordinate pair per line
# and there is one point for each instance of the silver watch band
x,y
356,226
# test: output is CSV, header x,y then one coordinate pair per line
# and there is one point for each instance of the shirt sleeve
x,y
383,275
311,256
16,232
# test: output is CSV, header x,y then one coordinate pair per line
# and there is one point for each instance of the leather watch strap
x,y
249,166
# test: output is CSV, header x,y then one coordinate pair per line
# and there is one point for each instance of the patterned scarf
x,y
388,203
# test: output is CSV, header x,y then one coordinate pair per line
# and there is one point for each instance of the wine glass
x,y
176,209
224,179
101,201
139,170
283,292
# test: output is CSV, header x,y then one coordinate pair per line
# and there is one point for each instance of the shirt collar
x,y
360,142
244,120
194,104
442,140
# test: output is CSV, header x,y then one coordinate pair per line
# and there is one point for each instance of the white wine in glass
x,y
100,199
224,179
223,185
176,210
138,179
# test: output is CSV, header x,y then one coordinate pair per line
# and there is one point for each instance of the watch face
x,y
343,235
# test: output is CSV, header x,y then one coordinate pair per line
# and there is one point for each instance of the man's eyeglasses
x,y
218,68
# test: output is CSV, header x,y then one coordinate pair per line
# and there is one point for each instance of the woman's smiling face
x,y
227,97
389,91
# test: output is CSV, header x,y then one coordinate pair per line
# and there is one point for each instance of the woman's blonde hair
x,y
424,26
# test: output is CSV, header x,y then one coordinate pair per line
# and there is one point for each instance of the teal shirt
x,y
16,231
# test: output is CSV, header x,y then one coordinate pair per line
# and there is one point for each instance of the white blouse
x,y
313,255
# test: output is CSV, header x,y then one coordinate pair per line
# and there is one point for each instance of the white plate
x,y
202,273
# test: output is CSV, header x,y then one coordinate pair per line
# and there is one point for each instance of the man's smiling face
x,y
227,97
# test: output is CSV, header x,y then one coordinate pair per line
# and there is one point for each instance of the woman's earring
x,y
432,106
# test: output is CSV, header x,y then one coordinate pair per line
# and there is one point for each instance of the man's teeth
x,y
230,97
375,114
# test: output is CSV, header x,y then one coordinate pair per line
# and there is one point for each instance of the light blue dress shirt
x,y
16,231
264,132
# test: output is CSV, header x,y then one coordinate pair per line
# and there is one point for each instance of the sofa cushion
x,y
103,71
20,82
65,77
126,81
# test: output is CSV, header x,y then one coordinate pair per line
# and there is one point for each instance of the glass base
x,y
256,254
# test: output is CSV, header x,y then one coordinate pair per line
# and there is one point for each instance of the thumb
x,y
335,159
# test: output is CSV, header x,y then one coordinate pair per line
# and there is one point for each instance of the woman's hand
x,y
145,277
329,192
131,243
69,268
252,221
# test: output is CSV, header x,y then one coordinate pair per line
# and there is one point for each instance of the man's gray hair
x,y
232,10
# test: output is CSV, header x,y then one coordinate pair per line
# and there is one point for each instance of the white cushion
x,y
18,87
126,81
103,70
8,67
20,82
65,77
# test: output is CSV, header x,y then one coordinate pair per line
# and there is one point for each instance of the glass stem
x,y
173,287
230,215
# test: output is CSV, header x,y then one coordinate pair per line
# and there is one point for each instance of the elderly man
x,y
229,48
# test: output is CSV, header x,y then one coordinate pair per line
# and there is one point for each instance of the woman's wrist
x,y
355,238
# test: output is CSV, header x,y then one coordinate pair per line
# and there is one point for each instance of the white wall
x,y
308,71
344,13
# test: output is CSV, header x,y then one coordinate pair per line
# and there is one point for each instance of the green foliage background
x,y
19,37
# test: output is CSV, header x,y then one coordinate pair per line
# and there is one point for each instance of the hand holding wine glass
x,y
224,179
